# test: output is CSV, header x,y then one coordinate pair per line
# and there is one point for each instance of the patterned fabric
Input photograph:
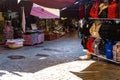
x,y
116,52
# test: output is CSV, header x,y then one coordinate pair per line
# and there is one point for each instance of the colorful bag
x,y
112,10
90,43
109,49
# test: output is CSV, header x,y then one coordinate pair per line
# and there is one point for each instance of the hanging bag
x,y
90,43
109,49
94,10
112,9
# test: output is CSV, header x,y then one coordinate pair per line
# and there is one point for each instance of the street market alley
x,y
54,60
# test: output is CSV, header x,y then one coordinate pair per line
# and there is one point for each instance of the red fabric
x,y
94,10
112,10
81,11
89,44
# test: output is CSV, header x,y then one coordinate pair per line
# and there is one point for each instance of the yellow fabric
x,y
102,7
94,30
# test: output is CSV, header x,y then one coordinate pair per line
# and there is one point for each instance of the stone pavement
x,y
51,60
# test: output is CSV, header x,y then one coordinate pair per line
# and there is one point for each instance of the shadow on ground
x,y
100,71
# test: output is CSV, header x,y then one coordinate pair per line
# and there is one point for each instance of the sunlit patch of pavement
x,y
57,72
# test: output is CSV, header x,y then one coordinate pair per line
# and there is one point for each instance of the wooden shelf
x,y
103,57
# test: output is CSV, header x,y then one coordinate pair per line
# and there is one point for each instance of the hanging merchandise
x,y
81,11
94,9
103,10
95,29
112,9
90,43
95,45
116,52
108,50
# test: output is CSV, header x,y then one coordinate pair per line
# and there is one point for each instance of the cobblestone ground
x,y
52,60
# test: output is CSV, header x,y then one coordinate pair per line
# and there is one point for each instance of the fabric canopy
x,y
54,3
44,12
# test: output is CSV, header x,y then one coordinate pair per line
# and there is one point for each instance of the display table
x,y
50,36
33,37
53,36
15,43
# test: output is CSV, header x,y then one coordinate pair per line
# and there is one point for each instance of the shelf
x,y
105,18
102,57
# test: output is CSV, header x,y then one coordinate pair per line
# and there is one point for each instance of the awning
x,y
44,12
54,3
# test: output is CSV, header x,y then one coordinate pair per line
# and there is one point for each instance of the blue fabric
x,y
108,49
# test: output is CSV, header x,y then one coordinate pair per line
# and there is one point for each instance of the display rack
x,y
98,55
